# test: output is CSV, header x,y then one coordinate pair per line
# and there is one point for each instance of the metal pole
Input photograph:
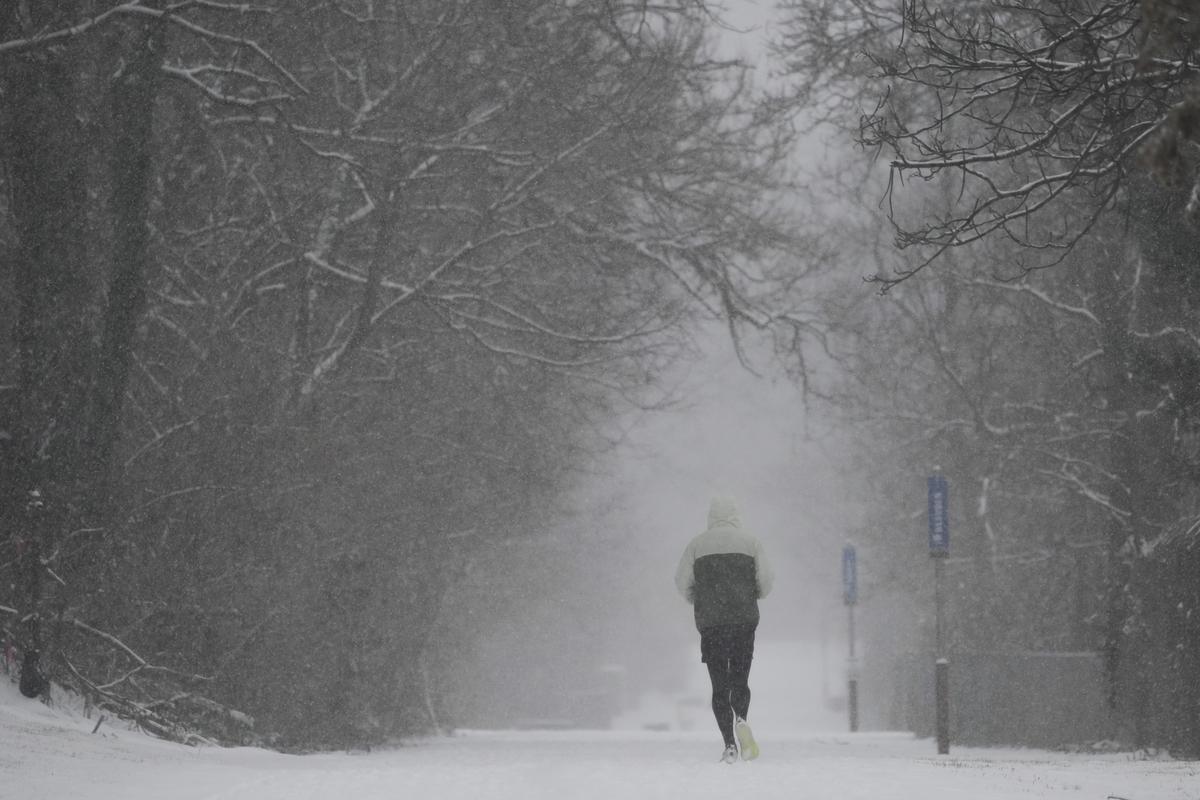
x,y
852,677
938,576
941,664
824,661
942,678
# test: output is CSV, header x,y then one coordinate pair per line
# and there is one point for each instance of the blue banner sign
x,y
939,519
849,576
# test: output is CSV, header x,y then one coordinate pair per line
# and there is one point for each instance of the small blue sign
x,y
939,518
849,576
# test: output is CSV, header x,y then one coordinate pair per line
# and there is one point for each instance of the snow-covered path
x,y
47,755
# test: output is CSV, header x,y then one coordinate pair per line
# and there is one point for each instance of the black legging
x,y
731,692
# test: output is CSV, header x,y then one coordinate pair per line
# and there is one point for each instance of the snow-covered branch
x,y
1026,288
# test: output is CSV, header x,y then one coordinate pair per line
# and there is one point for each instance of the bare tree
x,y
1062,402
1026,111
363,282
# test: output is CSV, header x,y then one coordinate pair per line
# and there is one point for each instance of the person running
x,y
723,572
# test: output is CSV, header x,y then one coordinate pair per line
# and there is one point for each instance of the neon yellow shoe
x,y
746,742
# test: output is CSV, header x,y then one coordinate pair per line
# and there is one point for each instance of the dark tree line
x,y
304,303
1016,137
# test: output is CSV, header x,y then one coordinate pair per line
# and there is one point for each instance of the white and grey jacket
x,y
724,571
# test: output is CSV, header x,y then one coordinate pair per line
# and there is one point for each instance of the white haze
x,y
747,436
612,608
598,606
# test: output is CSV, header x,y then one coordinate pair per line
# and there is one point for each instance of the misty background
x,y
615,607
366,366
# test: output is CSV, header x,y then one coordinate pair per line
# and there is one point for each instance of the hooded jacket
x,y
724,571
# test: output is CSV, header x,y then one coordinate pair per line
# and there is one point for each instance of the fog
x,y
362,380
731,428
747,436
618,619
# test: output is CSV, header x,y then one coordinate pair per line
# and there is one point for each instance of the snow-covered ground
x,y
50,754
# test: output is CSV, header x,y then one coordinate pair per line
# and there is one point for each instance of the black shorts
x,y
732,642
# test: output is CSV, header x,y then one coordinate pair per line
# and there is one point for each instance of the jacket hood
x,y
723,511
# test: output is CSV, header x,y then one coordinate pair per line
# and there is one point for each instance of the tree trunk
x,y
41,147
133,98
